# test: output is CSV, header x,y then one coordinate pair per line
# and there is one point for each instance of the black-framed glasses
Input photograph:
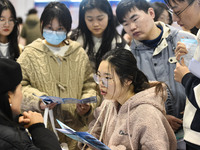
x,y
180,12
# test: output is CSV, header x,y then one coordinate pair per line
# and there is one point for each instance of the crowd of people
x,y
147,96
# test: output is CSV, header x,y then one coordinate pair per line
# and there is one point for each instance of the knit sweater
x,y
140,123
69,76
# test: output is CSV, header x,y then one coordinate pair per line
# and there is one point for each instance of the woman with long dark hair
x,y
8,31
96,30
132,115
12,124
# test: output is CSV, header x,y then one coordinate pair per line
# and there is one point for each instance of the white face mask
x,y
54,37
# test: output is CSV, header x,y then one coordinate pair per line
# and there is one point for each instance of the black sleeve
x,y
189,81
43,138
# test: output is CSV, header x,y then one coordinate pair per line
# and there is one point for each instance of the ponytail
x,y
140,81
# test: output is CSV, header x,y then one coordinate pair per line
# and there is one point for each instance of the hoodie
x,y
140,123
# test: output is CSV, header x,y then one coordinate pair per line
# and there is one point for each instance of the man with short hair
x,y
154,46
186,13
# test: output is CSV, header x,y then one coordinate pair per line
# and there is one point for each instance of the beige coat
x,y
69,76
140,124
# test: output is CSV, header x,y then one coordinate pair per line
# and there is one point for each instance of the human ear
x,y
10,96
128,82
151,12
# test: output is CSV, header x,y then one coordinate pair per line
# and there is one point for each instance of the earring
x,y
10,105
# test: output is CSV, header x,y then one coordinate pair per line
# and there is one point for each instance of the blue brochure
x,y
83,137
53,99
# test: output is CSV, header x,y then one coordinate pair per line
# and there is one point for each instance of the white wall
x,y
22,7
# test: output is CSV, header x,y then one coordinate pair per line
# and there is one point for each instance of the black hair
x,y
5,105
125,66
194,30
20,20
56,10
159,8
13,37
6,112
126,6
109,34
32,11
175,1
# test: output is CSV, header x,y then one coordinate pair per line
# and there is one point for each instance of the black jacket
x,y
190,81
14,137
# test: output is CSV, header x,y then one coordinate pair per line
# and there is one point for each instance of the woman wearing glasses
x,y
8,31
132,115
57,66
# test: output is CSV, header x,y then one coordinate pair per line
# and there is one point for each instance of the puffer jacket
x,y
14,137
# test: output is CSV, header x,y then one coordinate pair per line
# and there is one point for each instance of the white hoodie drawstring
x,y
96,124
105,122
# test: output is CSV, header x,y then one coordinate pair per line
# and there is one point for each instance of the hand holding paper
x,y
53,99
83,137
189,46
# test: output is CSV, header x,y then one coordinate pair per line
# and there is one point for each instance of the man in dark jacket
x,y
31,28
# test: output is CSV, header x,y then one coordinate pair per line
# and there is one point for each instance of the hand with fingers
x,y
180,71
43,106
29,118
174,122
82,109
180,50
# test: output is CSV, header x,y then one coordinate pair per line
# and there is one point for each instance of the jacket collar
x,y
40,46
169,33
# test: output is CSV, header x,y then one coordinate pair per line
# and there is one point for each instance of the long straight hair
x,y
13,37
109,34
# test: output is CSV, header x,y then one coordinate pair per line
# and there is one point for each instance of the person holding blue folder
x,y
132,115
57,66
